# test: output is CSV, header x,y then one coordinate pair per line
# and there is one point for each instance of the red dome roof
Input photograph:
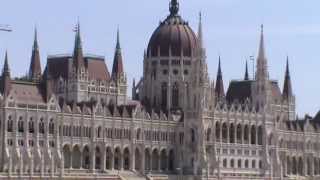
x,y
174,32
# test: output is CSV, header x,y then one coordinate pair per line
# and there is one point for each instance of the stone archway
x,y
117,159
86,158
147,158
76,157
163,160
67,156
109,158
137,156
126,159
155,160
171,160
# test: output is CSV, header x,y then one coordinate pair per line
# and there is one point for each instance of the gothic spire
x,y
200,35
246,75
77,53
5,79
219,83
117,68
287,87
35,65
262,69
174,7
6,70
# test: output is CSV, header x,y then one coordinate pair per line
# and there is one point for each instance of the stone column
x,y
242,134
132,160
93,159
142,165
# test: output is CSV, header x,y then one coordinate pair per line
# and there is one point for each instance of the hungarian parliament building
x,y
75,120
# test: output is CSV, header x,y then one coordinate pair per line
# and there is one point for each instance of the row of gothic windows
x,y
174,94
31,126
237,134
241,164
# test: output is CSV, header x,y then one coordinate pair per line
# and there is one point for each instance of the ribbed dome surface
x,y
173,33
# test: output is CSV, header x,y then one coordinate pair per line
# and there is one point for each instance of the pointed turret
x,y
5,78
117,68
219,90
246,75
78,60
200,34
262,66
35,65
287,87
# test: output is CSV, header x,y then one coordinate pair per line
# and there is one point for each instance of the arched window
x,y
217,131
20,125
224,133
41,126
246,134
239,133
231,134
253,164
246,163
10,124
164,97
239,163
260,135
209,134
175,95
224,163
193,135
99,132
232,163
138,134
253,135
51,127
31,126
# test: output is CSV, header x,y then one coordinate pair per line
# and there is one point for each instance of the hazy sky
x,y
231,29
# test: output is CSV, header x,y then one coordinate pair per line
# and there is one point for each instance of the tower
x,y
78,73
5,78
35,65
288,98
219,89
262,87
118,75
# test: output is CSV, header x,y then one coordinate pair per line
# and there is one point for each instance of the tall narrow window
x,y
31,126
175,95
51,127
20,125
10,124
164,88
41,126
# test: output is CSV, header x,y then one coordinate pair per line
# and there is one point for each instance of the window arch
x,y
260,135
51,127
10,124
209,134
239,163
193,135
224,132
175,95
231,134
239,133
31,126
41,126
218,131
20,125
164,95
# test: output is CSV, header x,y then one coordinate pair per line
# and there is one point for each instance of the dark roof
x,y
242,90
97,68
239,91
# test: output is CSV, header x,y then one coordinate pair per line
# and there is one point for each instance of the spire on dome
x,y
287,87
117,68
219,83
77,53
246,75
35,65
174,7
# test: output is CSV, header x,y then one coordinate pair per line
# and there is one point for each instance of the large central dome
x,y
173,33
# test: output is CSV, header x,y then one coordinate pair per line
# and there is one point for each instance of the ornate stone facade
x,y
75,120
